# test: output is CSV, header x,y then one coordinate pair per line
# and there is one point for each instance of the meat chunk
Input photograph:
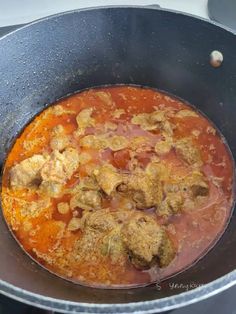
x,y
138,143
99,221
94,141
105,97
84,118
61,166
86,200
27,172
167,128
110,126
200,189
172,204
101,236
157,116
117,113
88,183
108,178
164,146
102,141
143,189
49,188
152,121
145,121
147,242
59,110
58,130
196,184
186,113
157,170
113,247
116,143
188,152
59,140
63,208
74,224
183,194
166,251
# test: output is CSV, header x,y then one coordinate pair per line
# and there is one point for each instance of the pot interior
x,y
69,52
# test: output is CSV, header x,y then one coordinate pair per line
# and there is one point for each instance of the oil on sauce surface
x,y
128,128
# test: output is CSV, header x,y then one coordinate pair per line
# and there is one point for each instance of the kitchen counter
x,y
14,12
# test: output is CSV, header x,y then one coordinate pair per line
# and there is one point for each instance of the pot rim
x,y
154,306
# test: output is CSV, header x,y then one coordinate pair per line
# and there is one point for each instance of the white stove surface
x,y
14,12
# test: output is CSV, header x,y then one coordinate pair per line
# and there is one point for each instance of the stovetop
x,y
224,302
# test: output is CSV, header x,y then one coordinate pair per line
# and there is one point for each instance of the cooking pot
x,y
55,56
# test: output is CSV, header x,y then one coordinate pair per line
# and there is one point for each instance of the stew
x,y
118,186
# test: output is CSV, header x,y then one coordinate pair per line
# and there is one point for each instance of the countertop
x,y
14,12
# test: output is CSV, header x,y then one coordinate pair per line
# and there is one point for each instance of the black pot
x,y
64,53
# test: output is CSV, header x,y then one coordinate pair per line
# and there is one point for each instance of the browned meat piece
x,y
86,200
188,152
108,178
110,126
105,97
59,142
58,130
172,204
61,166
183,194
164,146
84,118
99,220
59,110
113,247
86,184
117,113
147,242
157,116
186,113
102,141
152,121
116,143
195,184
52,189
158,170
94,141
63,208
200,189
74,224
84,158
167,127
101,235
145,190
27,172
166,251
148,121
171,187
138,142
